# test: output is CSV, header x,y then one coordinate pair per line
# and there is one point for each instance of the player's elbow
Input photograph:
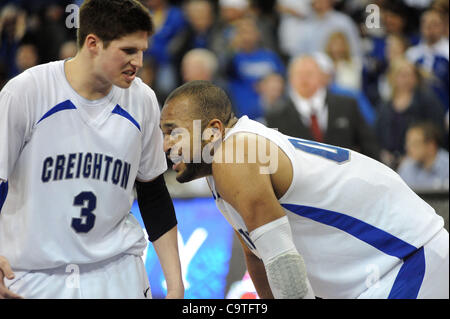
x,y
258,212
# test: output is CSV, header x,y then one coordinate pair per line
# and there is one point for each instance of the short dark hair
x,y
112,19
430,131
211,101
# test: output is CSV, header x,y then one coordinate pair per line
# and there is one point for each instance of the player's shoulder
x,y
32,80
140,87
143,93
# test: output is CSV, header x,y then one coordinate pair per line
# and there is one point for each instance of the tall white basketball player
x,y
313,219
75,135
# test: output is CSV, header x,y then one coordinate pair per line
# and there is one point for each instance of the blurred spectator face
x,y
338,47
68,50
393,22
403,76
200,15
198,64
26,57
54,12
306,77
231,10
271,88
432,27
247,35
154,4
395,47
417,147
8,19
322,6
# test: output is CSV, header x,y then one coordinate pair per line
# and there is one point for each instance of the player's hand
x,y
6,271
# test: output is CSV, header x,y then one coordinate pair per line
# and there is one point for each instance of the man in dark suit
x,y
312,112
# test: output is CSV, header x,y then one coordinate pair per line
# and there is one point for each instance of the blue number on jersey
x,y
330,152
78,224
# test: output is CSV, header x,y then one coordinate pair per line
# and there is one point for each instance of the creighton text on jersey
x,y
86,165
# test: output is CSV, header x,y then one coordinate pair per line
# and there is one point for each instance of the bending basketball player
x,y
313,219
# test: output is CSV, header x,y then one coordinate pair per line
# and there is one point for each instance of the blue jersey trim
x,y
410,276
120,111
3,193
66,105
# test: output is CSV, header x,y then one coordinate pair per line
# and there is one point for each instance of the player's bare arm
x,y
257,272
160,221
253,197
6,271
166,248
252,194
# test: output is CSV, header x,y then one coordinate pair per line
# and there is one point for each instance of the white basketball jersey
x,y
70,166
353,219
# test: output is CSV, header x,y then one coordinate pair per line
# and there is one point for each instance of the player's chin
x,y
186,174
124,83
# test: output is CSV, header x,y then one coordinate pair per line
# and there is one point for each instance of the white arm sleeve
x,y
285,268
153,159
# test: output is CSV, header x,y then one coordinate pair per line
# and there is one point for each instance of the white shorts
x,y
425,274
123,276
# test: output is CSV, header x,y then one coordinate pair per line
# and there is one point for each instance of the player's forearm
x,y
285,268
166,248
257,272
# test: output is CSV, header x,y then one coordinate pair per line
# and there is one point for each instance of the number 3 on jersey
x,y
87,220
333,153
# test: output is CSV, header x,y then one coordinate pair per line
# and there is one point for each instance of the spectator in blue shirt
x,y
426,166
248,64
432,53
169,21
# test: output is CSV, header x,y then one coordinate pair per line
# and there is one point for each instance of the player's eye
x,y
129,51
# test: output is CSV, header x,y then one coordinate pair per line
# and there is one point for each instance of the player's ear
x,y
214,130
92,43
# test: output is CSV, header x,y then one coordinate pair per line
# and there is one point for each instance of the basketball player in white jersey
x,y
322,222
75,136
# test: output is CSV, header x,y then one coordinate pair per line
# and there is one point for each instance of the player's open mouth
x,y
129,75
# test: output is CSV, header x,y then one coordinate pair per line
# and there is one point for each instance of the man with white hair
x,y
313,112
202,64
199,64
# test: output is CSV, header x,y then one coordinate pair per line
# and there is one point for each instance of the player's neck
x,y
81,78
232,122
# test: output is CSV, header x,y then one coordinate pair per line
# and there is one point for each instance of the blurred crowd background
x,y
372,76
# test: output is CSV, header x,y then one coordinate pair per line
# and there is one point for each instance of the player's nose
x,y
137,60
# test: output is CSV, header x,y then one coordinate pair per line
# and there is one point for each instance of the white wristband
x,y
285,268
273,239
